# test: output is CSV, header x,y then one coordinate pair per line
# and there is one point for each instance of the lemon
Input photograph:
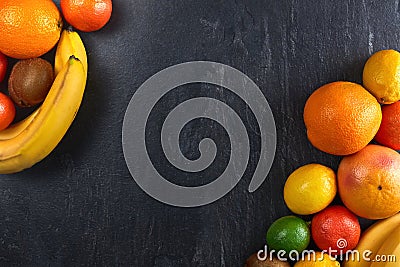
x,y
381,76
320,260
289,233
310,189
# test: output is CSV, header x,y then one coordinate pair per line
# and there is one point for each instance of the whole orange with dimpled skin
x,y
28,28
341,118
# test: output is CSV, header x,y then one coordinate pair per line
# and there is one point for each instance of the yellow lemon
x,y
381,76
319,260
310,189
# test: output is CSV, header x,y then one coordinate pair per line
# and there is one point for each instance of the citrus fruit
x,y
341,118
87,15
3,66
289,233
7,111
28,29
265,261
335,229
310,189
389,131
369,182
381,76
318,260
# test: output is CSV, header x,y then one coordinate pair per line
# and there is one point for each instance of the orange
x,y
335,229
310,189
28,29
389,132
3,66
369,182
318,259
381,76
87,15
7,111
341,118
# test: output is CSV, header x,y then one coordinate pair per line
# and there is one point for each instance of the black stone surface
x,y
80,206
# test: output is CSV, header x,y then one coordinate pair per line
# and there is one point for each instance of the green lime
x,y
288,233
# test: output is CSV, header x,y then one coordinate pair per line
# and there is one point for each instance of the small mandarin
x,y
335,229
7,111
87,15
389,131
3,66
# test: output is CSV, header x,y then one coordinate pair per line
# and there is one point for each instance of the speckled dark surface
x,y
80,206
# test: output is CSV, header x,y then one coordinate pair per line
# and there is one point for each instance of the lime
x,y
289,233
310,189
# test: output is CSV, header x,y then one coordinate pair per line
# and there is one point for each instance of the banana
x,y
70,44
373,238
25,143
390,248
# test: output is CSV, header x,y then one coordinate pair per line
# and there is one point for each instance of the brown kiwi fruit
x,y
30,81
253,261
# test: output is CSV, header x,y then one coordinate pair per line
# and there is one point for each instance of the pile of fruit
x,y
361,123
29,30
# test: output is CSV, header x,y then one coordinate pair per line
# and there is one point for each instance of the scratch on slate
x,y
267,48
370,33
222,253
370,42
397,5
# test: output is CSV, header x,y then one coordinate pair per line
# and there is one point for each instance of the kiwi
x,y
30,81
253,261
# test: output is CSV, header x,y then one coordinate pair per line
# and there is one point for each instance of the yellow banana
x,y
373,238
70,44
29,141
389,252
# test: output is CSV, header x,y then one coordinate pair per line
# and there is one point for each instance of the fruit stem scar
x,y
74,58
379,187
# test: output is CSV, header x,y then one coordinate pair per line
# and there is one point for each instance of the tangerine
x,y
87,15
389,132
28,29
3,66
7,111
335,229
341,118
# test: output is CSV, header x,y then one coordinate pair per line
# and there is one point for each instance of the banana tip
x,y
73,57
70,29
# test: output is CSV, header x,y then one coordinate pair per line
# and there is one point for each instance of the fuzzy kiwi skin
x,y
253,261
30,81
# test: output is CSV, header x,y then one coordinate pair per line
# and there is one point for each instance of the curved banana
x,y
373,238
29,141
390,248
70,44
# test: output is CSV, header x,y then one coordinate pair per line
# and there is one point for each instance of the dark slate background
x,y
80,206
